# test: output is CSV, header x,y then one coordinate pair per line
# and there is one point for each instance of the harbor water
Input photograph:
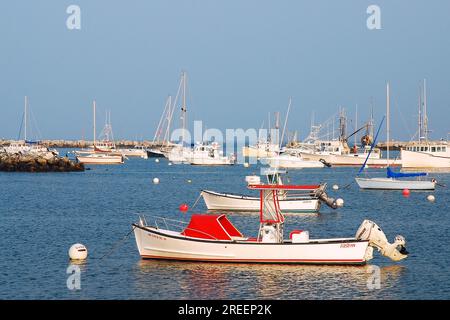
x,y
43,214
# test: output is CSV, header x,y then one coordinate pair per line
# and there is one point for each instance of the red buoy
x,y
405,192
184,207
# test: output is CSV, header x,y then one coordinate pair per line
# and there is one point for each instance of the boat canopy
x,y
214,227
392,174
32,142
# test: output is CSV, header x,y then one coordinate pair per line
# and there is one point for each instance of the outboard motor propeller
x,y
369,230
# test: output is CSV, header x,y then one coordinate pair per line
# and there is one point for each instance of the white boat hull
x,y
222,201
292,162
100,159
351,160
394,184
413,159
154,243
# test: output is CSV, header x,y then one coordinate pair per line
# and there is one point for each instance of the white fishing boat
x,y
179,154
394,180
262,149
213,238
307,199
208,154
424,153
294,160
106,154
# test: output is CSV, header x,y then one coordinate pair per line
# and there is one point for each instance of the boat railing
x,y
172,225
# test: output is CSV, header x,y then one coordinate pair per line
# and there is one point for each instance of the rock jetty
x,y
37,163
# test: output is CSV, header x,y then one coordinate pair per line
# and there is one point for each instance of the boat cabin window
x,y
433,149
438,149
444,149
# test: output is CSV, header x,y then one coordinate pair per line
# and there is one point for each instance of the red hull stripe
x,y
258,260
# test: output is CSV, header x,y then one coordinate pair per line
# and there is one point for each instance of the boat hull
x,y
292,162
156,243
350,160
222,201
394,184
418,160
100,159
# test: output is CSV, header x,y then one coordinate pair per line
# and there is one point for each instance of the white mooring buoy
x,y
431,198
155,180
157,160
246,165
340,202
335,187
78,252
169,164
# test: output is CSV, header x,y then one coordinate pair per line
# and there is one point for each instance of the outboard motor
x,y
369,230
327,164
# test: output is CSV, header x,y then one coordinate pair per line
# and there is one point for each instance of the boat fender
x,y
299,236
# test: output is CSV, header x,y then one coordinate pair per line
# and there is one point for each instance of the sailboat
x,y
26,145
393,180
99,155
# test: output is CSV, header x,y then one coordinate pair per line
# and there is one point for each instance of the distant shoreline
x,y
394,145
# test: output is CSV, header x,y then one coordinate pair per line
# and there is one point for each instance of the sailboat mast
x,y
25,120
356,120
183,109
425,117
387,120
93,107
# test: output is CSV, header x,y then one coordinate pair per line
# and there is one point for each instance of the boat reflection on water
x,y
185,280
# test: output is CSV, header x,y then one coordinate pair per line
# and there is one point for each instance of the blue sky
x,y
244,58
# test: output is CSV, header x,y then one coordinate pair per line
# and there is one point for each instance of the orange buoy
x,y
406,192
184,207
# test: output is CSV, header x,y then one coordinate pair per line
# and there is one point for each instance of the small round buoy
x,y
246,165
184,207
157,160
406,192
78,252
431,198
169,164
189,181
335,187
155,180
340,202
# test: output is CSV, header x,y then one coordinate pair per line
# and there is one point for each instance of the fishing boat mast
x,y
387,121
25,119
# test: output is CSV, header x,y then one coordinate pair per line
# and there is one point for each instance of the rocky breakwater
x,y
37,163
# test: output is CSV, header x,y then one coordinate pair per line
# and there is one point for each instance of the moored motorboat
x,y
307,199
213,238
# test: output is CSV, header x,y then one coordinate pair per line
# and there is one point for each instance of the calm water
x,y
42,215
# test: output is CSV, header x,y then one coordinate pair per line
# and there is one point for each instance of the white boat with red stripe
x,y
213,238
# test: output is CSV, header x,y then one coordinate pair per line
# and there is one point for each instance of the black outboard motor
x,y
331,202
325,163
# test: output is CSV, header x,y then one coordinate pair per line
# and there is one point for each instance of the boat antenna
x,y
93,107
